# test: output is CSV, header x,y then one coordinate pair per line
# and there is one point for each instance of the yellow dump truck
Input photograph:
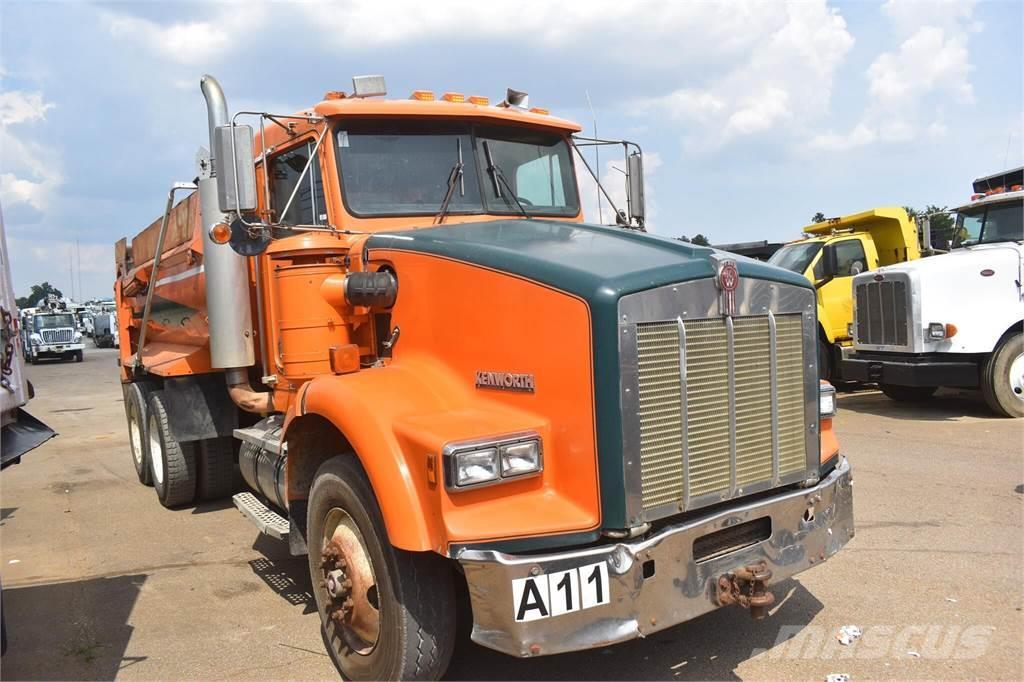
x,y
831,253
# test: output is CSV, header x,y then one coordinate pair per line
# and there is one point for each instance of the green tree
x,y
37,294
819,217
701,240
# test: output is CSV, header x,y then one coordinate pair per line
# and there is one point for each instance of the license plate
x,y
561,592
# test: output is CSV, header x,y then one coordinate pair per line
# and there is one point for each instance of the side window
x,y
819,268
850,258
308,207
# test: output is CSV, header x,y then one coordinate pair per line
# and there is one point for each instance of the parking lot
x,y
100,581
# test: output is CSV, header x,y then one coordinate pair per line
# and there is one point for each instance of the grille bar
x,y
57,335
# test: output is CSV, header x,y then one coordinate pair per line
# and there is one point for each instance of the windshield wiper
x,y
499,179
457,175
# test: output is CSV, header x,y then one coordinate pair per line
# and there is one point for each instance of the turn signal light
x,y
220,233
422,95
478,100
938,331
454,97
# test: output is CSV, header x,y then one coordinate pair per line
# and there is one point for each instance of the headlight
x,y
78,337
35,338
827,401
938,331
483,462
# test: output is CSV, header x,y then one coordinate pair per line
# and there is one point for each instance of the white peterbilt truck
x,y
954,319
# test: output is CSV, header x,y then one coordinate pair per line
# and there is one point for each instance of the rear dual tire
x,y
136,411
173,464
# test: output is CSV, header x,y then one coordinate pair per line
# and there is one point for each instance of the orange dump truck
x,y
440,384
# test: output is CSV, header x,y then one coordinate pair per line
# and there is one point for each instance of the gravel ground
x,y
101,581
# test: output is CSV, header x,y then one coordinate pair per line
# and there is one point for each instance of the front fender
x,y
362,407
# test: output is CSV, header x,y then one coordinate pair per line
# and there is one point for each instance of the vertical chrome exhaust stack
x,y
227,276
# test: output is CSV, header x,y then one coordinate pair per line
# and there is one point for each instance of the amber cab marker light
x,y
478,100
220,233
422,95
454,97
539,110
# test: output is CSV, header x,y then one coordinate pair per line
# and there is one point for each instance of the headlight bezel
x,y
829,391
453,451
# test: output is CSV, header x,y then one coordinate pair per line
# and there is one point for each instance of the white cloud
x,y
932,64
783,81
29,172
19,107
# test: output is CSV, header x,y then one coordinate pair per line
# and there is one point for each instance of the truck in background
x,y
440,381
105,331
954,319
831,254
51,331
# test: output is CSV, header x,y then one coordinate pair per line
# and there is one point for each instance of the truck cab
x,y
54,334
831,254
954,319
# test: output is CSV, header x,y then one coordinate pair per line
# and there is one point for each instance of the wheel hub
x,y
349,583
1017,377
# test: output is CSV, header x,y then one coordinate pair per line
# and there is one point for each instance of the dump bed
x,y
893,232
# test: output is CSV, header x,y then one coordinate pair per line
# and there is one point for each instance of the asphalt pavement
x,y
100,581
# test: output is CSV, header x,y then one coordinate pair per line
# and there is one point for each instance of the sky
x,y
753,116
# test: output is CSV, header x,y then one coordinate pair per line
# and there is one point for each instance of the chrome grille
x,y
709,427
882,313
57,335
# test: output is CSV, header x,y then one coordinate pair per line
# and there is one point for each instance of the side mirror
x,y
635,186
235,168
828,262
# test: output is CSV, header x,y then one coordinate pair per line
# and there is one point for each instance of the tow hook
x,y
748,587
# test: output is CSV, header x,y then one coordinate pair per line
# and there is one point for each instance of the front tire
x,y
135,410
78,355
1002,378
824,360
173,464
908,394
386,614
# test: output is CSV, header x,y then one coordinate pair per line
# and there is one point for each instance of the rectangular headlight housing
x,y
827,401
478,463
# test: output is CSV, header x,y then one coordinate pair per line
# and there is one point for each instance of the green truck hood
x,y
599,265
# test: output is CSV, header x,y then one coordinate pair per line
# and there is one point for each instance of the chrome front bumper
x,y
808,526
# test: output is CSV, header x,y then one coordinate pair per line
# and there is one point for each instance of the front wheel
x,y
824,360
386,614
78,356
908,394
1002,380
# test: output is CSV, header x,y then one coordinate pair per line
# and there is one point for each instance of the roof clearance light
x,y
1016,188
478,100
539,110
975,197
454,97
422,95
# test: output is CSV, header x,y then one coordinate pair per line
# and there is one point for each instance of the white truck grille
x,y
57,335
882,313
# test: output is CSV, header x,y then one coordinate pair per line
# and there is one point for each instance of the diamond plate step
x,y
266,519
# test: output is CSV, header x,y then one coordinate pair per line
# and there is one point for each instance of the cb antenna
x,y
597,157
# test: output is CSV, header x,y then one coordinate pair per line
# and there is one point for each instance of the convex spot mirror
x,y
235,168
246,240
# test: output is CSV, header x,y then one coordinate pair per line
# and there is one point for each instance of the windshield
x,y
53,321
990,224
403,169
796,257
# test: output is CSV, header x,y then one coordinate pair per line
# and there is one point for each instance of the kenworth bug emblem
x,y
727,278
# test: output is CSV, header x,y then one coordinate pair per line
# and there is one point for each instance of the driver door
x,y
837,295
